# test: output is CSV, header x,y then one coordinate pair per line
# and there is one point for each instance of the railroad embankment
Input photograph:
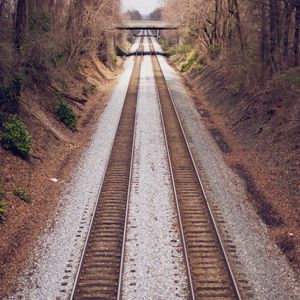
x,y
60,120
258,130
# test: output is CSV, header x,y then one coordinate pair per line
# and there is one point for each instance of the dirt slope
x,y
259,134
55,151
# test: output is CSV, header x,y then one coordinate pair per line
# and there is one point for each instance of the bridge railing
x,y
150,25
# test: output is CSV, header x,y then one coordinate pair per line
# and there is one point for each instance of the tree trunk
x,y
215,24
2,2
288,10
264,47
21,23
297,33
273,33
238,24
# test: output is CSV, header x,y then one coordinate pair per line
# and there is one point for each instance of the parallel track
x,y
208,266
99,271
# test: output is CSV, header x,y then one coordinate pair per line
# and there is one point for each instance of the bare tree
x,y
270,27
21,21
297,33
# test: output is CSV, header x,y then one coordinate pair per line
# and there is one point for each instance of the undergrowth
x,y
114,58
65,114
9,95
22,194
183,55
15,137
88,89
119,50
236,89
3,204
292,77
192,62
2,194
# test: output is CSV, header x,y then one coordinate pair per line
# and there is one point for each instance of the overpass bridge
x,y
146,25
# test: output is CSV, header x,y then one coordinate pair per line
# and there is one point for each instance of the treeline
x,y
156,14
41,44
133,14
38,36
263,33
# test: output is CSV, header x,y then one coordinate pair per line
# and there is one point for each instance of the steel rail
x,y
120,284
211,214
187,264
76,281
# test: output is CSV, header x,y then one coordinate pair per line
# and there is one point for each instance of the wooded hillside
x,y
39,36
257,34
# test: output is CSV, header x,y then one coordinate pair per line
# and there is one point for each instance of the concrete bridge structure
x,y
146,25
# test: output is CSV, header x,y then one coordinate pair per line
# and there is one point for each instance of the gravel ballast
x,y
262,264
54,262
154,266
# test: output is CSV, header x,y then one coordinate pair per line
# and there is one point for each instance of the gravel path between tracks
x,y
154,265
53,265
264,266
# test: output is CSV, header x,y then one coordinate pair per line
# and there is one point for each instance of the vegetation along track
x,y
208,266
99,269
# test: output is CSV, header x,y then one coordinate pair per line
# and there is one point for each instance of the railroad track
x,y
101,267
208,267
99,270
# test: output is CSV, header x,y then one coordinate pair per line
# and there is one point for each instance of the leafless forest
x,y
257,34
39,36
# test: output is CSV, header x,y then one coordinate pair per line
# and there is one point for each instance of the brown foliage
x,y
264,33
51,30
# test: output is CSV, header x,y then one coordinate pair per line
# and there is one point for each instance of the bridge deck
x,y
143,25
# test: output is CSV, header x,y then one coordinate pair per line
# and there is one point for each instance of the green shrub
x,y
2,194
167,47
66,115
58,59
3,207
22,194
119,51
15,137
184,49
88,89
85,91
296,81
236,89
171,51
3,204
292,77
114,58
192,62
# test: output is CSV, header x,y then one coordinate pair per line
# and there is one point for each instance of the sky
x,y
143,6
